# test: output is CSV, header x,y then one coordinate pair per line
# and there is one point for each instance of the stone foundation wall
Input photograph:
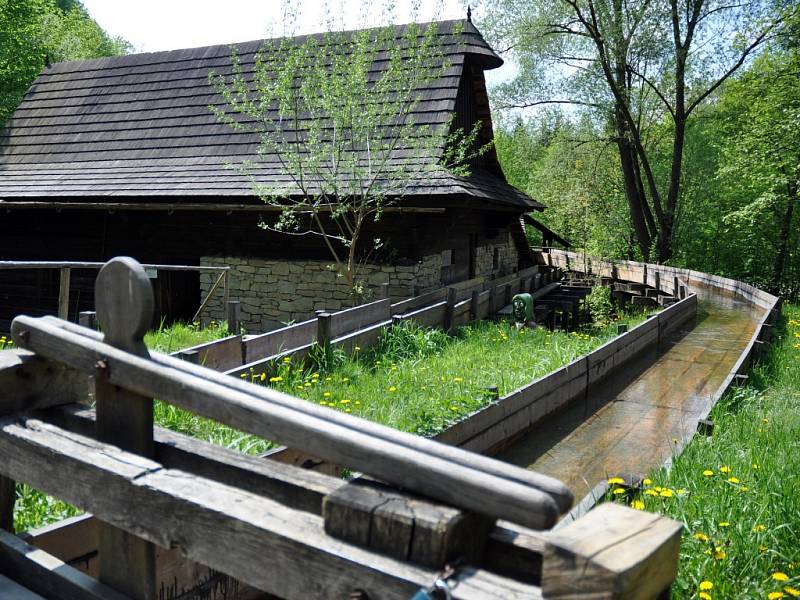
x,y
274,292
507,258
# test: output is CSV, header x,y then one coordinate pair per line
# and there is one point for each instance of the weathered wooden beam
x,y
182,206
8,498
46,575
403,525
63,293
612,552
302,489
124,301
449,474
256,540
29,381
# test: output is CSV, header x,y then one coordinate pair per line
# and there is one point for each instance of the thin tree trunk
x,y
783,238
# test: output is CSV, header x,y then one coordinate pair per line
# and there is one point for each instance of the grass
x,y
183,335
736,493
421,380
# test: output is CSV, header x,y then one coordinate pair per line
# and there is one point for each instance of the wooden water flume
x,y
272,526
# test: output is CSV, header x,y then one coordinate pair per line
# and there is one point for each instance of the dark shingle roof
x,y
139,125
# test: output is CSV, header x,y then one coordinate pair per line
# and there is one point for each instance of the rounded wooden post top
x,y
124,302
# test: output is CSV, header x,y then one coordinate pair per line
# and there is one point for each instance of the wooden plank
x,y
280,340
403,525
448,474
430,316
612,552
29,381
45,574
220,355
10,590
124,301
412,304
295,486
8,498
218,525
360,317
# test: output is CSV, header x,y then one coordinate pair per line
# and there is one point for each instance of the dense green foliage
x,y
738,196
735,492
34,33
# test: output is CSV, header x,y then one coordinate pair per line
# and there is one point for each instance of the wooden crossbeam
x,y
46,575
254,539
451,475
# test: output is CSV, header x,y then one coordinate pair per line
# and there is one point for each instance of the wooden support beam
x,y
8,497
612,552
254,539
404,526
452,296
28,381
233,316
63,293
124,301
46,575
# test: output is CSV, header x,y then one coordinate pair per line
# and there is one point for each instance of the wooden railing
x,y
443,515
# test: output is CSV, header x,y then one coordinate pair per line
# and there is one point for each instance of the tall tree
x,y
35,32
633,65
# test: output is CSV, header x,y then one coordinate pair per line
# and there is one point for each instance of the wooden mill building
x,y
122,156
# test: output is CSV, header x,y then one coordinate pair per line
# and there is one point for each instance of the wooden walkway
x,y
633,423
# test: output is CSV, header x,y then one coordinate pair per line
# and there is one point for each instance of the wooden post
x,y
63,293
507,294
323,329
612,552
644,274
7,499
492,293
234,316
226,290
658,281
448,311
88,318
493,392
124,301
474,304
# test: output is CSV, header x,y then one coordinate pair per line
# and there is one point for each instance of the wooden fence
x,y
462,521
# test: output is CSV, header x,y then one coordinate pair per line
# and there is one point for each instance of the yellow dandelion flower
x,y
326,394
275,379
763,549
734,480
666,493
357,348
704,596
647,481
616,480
720,555
724,469
454,408
743,488
458,379
780,576
637,504
345,379
755,466
706,585
776,595
263,376
392,389
651,492
759,528
357,402
344,401
287,359
724,524
347,410
243,375
618,491
329,379
700,536
793,592
708,472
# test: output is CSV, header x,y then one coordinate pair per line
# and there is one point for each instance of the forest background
x,y
660,130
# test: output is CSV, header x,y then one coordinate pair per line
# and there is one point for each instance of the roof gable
x,y
139,125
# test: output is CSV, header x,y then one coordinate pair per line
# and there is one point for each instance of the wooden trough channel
x,y
173,514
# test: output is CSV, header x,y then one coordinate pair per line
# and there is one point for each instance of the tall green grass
x,y
737,493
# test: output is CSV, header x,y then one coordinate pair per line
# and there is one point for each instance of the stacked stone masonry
x,y
275,292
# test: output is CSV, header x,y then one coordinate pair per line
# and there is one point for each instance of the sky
x,y
153,25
